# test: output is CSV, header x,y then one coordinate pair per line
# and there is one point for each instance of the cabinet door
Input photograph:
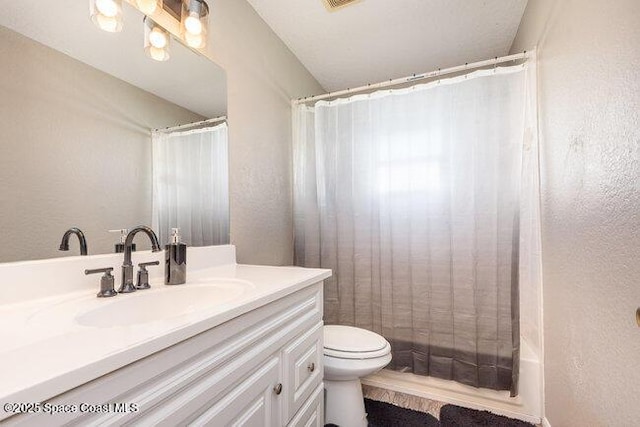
x,y
303,370
312,412
252,403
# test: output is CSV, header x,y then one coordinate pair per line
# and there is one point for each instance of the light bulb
x,y
108,8
158,38
158,54
194,40
192,24
107,23
148,7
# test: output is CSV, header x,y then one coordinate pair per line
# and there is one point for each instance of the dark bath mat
x,y
456,416
381,414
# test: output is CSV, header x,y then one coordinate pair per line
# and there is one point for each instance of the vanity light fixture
x,y
156,40
106,14
149,7
194,23
193,14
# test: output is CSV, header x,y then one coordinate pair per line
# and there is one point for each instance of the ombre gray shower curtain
x,y
191,184
413,198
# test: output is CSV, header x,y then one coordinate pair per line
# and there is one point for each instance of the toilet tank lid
x,y
349,339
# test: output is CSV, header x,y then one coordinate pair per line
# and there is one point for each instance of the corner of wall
x,y
263,75
534,24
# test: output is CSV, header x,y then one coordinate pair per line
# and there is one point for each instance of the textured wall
x,y
589,95
75,150
262,77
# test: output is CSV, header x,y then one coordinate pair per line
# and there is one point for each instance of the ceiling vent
x,y
333,5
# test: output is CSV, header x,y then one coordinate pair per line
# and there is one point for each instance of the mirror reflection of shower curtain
x,y
412,198
191,185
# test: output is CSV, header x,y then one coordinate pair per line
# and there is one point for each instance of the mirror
x,y
77,107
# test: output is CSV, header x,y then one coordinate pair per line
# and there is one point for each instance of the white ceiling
x,y
376,40
188,79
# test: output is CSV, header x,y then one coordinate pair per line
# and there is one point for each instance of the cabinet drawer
x,y
303,369
312,412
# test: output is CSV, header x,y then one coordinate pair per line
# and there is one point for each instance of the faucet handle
x,y
143,274
147,264
106,282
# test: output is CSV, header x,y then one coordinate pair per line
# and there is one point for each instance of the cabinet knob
x,y
311,367
278,388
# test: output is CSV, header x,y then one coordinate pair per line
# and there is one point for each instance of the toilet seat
x,y
348,342
357,355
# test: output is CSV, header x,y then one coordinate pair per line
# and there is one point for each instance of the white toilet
x,y
350,354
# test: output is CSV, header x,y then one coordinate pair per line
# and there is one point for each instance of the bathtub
x,y
527,406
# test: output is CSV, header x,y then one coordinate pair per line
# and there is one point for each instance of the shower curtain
x,y
191,185
413,198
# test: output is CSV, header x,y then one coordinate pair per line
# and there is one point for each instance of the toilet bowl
x,y
350,354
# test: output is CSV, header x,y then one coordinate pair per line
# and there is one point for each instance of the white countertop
x,y
45,351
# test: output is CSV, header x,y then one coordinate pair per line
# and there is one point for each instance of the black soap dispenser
x,y
175,266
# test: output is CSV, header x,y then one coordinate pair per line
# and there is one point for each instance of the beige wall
x,y
75,150
589,97
262,77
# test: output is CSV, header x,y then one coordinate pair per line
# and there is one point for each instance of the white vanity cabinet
x,y
262,368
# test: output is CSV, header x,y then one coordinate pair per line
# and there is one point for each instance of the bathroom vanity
x,y
235,345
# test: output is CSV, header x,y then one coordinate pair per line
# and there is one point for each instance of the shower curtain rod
x,y
415,77
188,125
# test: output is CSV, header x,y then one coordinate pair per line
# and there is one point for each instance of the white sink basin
x,y
157,304
168,302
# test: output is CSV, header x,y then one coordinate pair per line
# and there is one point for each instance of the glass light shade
x,y
156,40
194,23
106,14
149,7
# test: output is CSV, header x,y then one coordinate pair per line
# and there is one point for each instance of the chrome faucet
x,y
127,267
64,244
